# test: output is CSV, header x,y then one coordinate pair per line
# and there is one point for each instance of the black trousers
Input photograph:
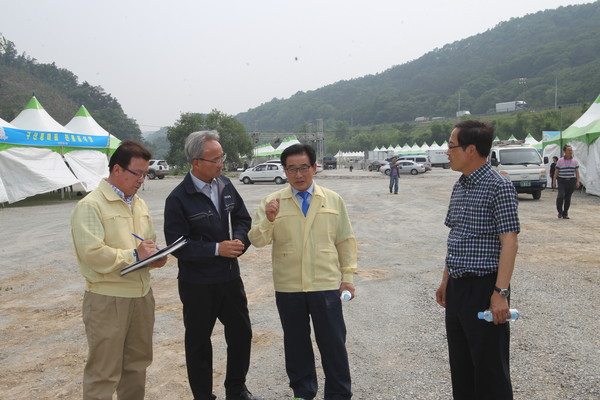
x,y
202,305
478,350
566,187
325,309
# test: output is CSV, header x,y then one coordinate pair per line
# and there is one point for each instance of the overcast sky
x,y
162,58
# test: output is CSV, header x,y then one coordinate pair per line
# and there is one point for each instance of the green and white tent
x,y
285,143
582,135
34,148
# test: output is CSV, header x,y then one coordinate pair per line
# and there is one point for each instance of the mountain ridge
x,y
544,47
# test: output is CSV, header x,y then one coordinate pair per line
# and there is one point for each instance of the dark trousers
x,y
566,187
202,305
394,183
325,309
478,350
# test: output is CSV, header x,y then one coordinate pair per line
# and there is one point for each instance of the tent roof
x,y
5,124
84,123
531,140
586,129
34,117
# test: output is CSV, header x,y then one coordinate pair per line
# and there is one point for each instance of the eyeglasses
x,y
139,175
303,169
218,160
453,147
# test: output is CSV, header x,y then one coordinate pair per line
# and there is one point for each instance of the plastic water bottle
x,y
487,315
346,295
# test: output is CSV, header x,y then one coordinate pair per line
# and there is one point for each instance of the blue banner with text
x,y
41,138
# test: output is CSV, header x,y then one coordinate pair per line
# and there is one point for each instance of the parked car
x,y
265,172
376,165
158,169
420,159
329,162
405,167
319,168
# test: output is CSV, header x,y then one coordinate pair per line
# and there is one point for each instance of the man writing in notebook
x,y
118,311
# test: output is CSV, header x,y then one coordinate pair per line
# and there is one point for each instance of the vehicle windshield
x,y
520,156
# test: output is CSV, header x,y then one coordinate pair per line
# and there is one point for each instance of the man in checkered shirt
x,y
482,247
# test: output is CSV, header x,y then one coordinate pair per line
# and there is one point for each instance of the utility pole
x,y
561,145
523,81
555,91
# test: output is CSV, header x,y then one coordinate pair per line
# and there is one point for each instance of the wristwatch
x,y
503,292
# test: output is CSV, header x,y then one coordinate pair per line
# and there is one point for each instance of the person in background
x,y
206,208
314,257
118,311
552,169
482,247
566,178
394,175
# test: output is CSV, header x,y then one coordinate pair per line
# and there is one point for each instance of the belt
x,y
465,275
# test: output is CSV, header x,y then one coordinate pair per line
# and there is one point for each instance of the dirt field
x,y
396,337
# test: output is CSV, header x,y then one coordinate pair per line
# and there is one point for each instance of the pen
x,y
142,239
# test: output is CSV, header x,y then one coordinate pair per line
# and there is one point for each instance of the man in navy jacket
x,y
206,208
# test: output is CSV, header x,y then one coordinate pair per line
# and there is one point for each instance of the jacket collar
x,y
110,194
190,188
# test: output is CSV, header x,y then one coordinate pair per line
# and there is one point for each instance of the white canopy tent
x,y
582,135
90,166
32,147
287,142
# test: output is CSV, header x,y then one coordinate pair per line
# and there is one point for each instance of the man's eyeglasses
x,y
453,147
139,175
218,160
303,169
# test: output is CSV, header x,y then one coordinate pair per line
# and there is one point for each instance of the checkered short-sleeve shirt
x,y
483,206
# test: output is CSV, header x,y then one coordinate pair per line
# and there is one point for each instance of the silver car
x,y
265,172
158,169
405,167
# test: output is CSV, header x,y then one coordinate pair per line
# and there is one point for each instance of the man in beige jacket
x,y
314,260
118,311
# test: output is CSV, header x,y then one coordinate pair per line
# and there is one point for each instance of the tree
x,y
233,136
187,123
341,130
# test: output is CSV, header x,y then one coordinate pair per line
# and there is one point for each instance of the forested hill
x,y
59,92
561,45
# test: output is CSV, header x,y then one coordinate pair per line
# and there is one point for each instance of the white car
x,y
265,172
158,169
404,167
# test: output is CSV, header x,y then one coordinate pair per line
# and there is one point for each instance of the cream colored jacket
x,y
311,253
102,225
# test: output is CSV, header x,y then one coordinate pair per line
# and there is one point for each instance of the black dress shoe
x,y
565,216
560,215
245,395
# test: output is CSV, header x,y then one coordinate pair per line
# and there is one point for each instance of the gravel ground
x,y
396,338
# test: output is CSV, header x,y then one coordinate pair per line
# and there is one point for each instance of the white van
x,y
419,159
521,164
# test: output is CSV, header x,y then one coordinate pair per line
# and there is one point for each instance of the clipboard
x,y
179,243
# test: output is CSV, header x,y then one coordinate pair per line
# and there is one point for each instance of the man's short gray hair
x,y
194,143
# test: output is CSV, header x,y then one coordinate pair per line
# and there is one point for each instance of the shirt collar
x,y
310,190
475,177
199,183
119,192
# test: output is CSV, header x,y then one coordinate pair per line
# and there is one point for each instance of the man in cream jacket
x,y
314,259
118,311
